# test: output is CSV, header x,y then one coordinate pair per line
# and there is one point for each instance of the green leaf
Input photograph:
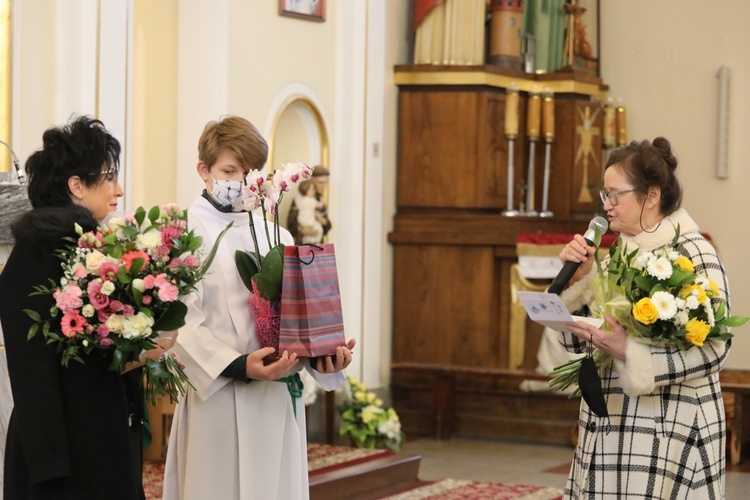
x,y
139,215
33,314
267,287
153,214
122,275
173,318
734,321
136,266
246,266
210,257
273,264
32,331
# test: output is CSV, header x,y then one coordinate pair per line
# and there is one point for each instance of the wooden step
x,y
381,476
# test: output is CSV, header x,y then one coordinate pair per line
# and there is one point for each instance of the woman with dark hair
x,y
665,434
68,434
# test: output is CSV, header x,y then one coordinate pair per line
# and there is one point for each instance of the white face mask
x,y
228,193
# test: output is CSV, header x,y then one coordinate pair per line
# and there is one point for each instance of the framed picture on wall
x,y
311,10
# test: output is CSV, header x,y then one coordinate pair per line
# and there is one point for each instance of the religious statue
x,y
308,216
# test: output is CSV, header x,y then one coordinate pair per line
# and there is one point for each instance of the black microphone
x,y
570,267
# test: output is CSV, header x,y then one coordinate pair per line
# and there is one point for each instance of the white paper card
x,y
548,309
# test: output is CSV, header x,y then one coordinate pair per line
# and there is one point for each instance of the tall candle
x,y
548,117
511,114
533,117
608,137
622,131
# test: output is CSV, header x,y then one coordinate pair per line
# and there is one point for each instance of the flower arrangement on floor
x,y
658,298
262,275
366,422
121,286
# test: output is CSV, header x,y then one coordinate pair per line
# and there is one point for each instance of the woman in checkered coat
x,y
665,434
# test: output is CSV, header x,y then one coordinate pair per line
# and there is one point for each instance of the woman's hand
x,y
258,370
163,344
336,362
613,342
578,251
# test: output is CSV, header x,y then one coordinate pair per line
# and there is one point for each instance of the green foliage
x,y
366,422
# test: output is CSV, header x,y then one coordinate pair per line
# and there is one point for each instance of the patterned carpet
x,y
324,458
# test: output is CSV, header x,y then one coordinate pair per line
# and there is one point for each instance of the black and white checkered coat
x,y
665,436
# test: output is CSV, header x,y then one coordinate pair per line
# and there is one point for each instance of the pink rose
x,y
102,331
103,315
115,306
146,299
127,311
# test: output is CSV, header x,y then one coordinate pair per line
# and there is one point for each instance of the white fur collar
x,y
664,232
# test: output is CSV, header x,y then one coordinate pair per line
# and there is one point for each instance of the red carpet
x,y
324,458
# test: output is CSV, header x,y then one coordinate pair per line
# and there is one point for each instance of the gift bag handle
x,y
312,252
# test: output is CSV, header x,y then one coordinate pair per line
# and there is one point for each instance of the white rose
x,y
115,323
94,260
137,326
88,310
107,288
149,240
138,285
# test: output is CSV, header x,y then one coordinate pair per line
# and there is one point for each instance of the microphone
x,y
16,164
570,267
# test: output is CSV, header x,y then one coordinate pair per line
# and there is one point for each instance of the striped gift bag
x,y
311,320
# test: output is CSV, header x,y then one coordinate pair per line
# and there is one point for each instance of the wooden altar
x,y
453,250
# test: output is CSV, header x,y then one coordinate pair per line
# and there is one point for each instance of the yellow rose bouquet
x,y
659,298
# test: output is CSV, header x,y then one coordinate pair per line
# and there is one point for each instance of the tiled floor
x,y
507,462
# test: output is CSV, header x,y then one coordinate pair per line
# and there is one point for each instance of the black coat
x,y
68,435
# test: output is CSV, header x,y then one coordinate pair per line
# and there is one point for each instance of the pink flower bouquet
x,y
121,287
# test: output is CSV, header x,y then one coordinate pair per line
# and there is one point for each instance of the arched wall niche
x,y
298,132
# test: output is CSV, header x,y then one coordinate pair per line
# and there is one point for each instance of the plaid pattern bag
x,y
311,320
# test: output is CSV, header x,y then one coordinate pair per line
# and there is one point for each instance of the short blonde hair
x,y
236,135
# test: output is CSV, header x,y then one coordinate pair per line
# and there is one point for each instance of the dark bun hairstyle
x,y
646,165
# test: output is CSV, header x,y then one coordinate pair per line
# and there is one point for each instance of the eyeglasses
x,y
612,195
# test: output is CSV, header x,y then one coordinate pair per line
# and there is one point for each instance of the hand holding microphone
x,y
578,251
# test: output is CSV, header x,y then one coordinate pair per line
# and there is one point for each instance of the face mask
x,y
228,193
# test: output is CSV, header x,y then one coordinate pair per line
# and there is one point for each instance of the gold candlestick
x,y
622,132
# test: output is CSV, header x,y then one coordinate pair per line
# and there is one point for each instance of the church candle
x,y
511,114
622,131
608,136
548,117
533,117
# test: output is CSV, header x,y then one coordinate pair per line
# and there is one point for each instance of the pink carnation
x,y
175,263
127,311
146,299
169,234
161,280
96,297
68,298
168,293
72,323
106,342
79,272
191,261
102,331
148,281
115,306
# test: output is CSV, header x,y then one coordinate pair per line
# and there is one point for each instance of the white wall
x,y
661,57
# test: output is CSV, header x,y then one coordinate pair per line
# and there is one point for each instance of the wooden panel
x,y
445,304
437,149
